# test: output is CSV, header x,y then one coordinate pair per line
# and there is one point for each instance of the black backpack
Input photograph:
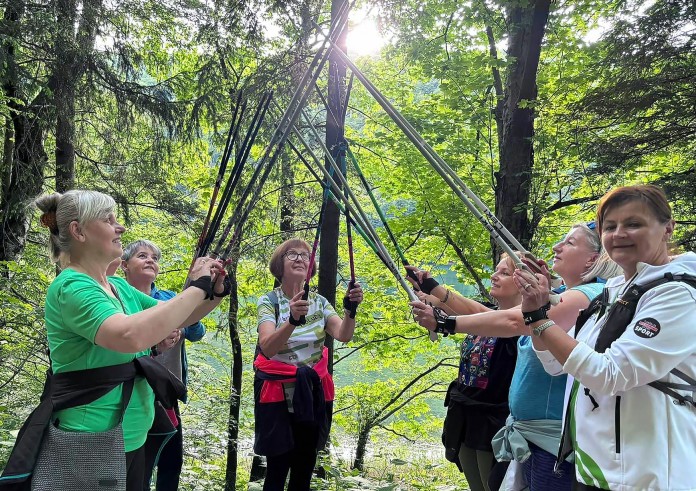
x,y
621,313
619,316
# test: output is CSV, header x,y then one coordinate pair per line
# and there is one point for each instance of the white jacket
x,y
638,439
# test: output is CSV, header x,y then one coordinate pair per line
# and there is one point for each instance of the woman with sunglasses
x,y
631,364
293,390
533,430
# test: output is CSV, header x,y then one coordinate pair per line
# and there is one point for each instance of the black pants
x,y
135,469
299,462
169,462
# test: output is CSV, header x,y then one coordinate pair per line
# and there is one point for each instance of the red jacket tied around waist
x,y
312,402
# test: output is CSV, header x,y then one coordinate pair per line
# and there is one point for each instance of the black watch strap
x,y
536,315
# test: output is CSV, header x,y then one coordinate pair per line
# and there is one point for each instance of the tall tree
x,y
640,114
335,132
23,158
77,30
515,117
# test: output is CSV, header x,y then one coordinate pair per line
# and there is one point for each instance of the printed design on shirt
x,y
475,360
304,347
647,328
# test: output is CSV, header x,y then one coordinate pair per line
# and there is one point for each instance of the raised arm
x,y
437,295
137,332
505,323
272,339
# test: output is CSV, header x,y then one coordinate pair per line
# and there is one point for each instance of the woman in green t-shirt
x,y
94,320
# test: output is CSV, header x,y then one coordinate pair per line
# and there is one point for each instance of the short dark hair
x,y
276,262
651,196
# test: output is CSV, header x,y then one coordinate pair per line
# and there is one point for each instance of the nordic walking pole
x,y
336,201
290,115
496,227
395,271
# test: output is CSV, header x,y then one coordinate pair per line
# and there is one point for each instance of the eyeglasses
x,y
293,256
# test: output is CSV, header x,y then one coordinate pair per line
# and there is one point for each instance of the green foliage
x,y
153,111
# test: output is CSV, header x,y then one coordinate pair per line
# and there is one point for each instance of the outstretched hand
x,y
223,285
205,266
534,288
352,299
421,279
298,306
423,314
536,265
355,294
416,275
169,342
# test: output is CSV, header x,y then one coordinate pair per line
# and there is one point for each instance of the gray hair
x,y
78,205
130,250
603,267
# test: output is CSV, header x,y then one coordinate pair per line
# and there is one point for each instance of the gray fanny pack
x,y
83,461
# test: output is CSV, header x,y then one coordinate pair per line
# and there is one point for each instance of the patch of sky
x,y
423,90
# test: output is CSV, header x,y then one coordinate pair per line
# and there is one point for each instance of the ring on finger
x,y
527,285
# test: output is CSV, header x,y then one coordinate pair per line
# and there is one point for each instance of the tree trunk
x,y
335,126
73,49
361,448
236,389
287,198
24,157
515,114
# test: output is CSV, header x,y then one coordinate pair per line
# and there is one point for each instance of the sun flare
x,y
364,38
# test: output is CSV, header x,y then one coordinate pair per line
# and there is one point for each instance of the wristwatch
x,y
542,327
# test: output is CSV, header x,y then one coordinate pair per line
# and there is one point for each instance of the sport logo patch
x,y
647,328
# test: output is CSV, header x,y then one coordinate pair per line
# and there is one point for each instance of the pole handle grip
x,y
303,318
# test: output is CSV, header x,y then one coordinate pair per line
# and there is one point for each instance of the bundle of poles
x,y
249,197
332,177
498,232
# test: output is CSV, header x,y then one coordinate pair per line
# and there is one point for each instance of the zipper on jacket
x,y
617,424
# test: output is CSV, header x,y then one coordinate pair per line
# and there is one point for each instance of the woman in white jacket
x,y
628,435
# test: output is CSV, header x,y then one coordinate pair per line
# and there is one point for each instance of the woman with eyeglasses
x,y
293,390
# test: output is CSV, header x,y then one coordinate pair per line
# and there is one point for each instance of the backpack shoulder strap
x,y
624,308
595,306
670,387
273,297
629,301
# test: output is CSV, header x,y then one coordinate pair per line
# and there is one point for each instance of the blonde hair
x,y
603,267
59,210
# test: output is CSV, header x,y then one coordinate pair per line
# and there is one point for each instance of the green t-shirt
x,y
76,306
